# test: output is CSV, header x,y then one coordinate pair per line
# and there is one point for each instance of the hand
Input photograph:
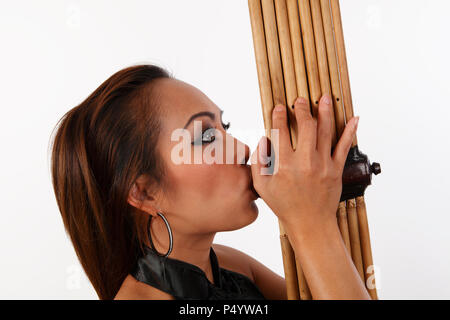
x,y
306,186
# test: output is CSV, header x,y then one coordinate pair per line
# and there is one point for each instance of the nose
x,y
240,151
246,155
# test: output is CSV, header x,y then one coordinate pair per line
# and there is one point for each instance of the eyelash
x,y
224,126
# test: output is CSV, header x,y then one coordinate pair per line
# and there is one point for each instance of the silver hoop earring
x,y
170,235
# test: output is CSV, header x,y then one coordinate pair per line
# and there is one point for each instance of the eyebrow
x,y
202,114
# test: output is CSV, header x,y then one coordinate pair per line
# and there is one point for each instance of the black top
x,y
186,281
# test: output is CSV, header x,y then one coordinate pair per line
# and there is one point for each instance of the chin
x,y
244,218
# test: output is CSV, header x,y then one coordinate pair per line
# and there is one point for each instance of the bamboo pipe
x,y
273,52
322,58
342,219
348,105
309,47
365,243
333,66
342,59
321,52
291,95
354,237
324,78
317,67
352,217
343,225
289,265
302,91
302,10
297,50
272,92
337,102
351,229
287,60
262,63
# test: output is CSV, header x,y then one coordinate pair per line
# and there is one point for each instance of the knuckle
x,y
327,176
279,115
310,122
323,175
302,113
307,122
284,169
281,173
301,107
279,120
308,168
334,174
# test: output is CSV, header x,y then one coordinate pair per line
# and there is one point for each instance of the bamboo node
x,y
351,203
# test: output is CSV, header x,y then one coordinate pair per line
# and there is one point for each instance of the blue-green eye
x,y
209,135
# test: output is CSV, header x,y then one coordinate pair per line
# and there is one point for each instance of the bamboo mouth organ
x,y
300,52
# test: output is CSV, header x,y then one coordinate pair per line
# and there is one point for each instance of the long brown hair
x,y
101,146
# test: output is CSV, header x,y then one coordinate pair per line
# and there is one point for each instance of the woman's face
x,y
203,197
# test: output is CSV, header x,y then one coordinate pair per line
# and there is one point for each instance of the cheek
x,y
210,197
198,181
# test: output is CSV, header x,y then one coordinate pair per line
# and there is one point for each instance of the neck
x,y
190,248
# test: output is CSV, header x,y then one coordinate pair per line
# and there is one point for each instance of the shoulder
x,y
132,289
234,260
272,285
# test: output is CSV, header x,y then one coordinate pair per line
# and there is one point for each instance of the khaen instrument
x,y
300,52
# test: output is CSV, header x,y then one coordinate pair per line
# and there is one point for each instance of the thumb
x,y
259,161
345,142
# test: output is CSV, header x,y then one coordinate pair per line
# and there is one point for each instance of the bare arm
x,y
328,267
272,286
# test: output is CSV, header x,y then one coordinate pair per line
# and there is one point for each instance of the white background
x,y
55,53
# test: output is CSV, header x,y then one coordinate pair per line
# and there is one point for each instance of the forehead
x,y
179,101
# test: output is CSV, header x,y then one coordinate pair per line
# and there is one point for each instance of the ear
x,y
140,196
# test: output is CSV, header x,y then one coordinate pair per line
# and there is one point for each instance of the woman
x,y
143,224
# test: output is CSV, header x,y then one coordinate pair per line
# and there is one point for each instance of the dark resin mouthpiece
x,y
357,174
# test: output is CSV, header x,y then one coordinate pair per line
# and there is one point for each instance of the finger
x,y
324,127
258,161
307,126
281,139
345,142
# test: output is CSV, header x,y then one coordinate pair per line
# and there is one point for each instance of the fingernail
x,y
301,100
279,108
326,99
356,122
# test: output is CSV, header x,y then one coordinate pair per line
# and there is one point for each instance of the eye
x,y
208,136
